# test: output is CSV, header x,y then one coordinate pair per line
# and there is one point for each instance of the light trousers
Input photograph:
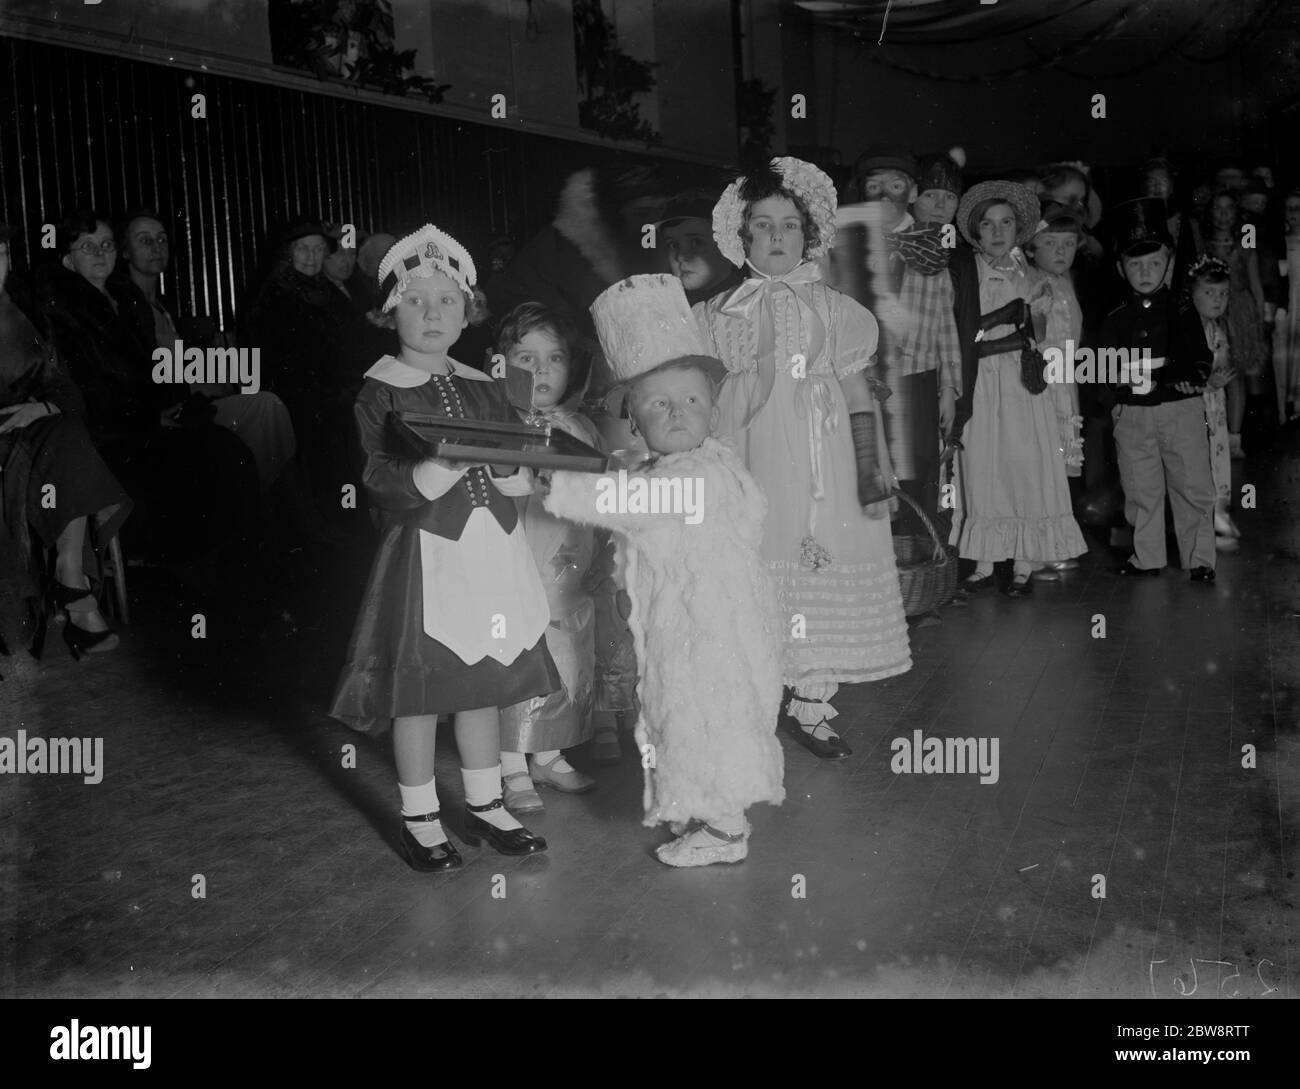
x,y
1166,448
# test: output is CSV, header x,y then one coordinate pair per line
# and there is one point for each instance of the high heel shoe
x,y
79,640
508,841
435,859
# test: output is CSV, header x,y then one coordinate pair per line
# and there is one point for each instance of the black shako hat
x,y
1140,226
941,171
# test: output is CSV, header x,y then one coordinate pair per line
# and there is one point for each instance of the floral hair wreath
x,y
810,185
1206,263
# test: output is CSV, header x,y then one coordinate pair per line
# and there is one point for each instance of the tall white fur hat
x,y
420,255
645,323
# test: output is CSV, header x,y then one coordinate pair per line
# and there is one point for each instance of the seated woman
x,y
313,353
259,419
197,480
52,481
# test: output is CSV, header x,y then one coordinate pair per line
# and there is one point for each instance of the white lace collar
x,y
393,372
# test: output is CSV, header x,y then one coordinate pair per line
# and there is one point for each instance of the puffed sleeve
x,y
855,336
392,481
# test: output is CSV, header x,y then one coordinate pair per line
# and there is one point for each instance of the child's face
x,y
430,315
673,410
1292,214
1145,274
1158,183
935,206
1054,251
1223,214
546,356
693,256
891,185
998,230
776,238
1210,300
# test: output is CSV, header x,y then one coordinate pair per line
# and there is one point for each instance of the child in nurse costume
x,y
704,614
454,614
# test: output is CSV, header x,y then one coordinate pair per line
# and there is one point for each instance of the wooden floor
x,y
1121,760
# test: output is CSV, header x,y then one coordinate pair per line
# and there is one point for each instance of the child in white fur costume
x,y
704,614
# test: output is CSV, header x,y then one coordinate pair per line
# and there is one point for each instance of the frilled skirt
x,y
1013,498
393,669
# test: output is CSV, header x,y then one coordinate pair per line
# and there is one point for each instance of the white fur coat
x,y
704,618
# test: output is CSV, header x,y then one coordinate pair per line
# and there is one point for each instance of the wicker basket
x,y
927,568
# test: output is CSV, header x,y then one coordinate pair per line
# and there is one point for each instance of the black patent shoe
x,y
1129,571
832,748
508,841
974,583
435,859
1202,574
1020,588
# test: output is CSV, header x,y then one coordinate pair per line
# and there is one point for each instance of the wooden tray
x,y
489,442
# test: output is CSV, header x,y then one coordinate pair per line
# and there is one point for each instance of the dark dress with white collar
x,y
430,561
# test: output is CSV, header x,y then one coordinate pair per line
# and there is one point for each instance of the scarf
x,y
920,248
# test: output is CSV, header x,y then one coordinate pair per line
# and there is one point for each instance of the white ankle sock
x,y
483,785
513,762
417,801
552,759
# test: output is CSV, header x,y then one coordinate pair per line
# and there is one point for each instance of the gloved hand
x,y
871,481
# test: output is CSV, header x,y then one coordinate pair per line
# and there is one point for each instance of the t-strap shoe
x,y
435,859
508,841
705,846
821,740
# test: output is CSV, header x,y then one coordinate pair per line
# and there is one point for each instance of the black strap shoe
x,y
508,841
1020,588
831,748
1129,571
435,859
1202,574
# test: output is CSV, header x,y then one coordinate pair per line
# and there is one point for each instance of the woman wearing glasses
x,y
196,482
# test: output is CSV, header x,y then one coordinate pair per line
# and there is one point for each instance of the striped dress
x,y
842,622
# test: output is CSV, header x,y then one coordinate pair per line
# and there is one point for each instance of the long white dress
x,y
843,622
1013,498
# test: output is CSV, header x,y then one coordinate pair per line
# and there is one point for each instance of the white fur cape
x,y
705,622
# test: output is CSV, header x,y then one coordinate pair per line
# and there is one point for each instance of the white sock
x,y
513,762
483,785
552,759
416,802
